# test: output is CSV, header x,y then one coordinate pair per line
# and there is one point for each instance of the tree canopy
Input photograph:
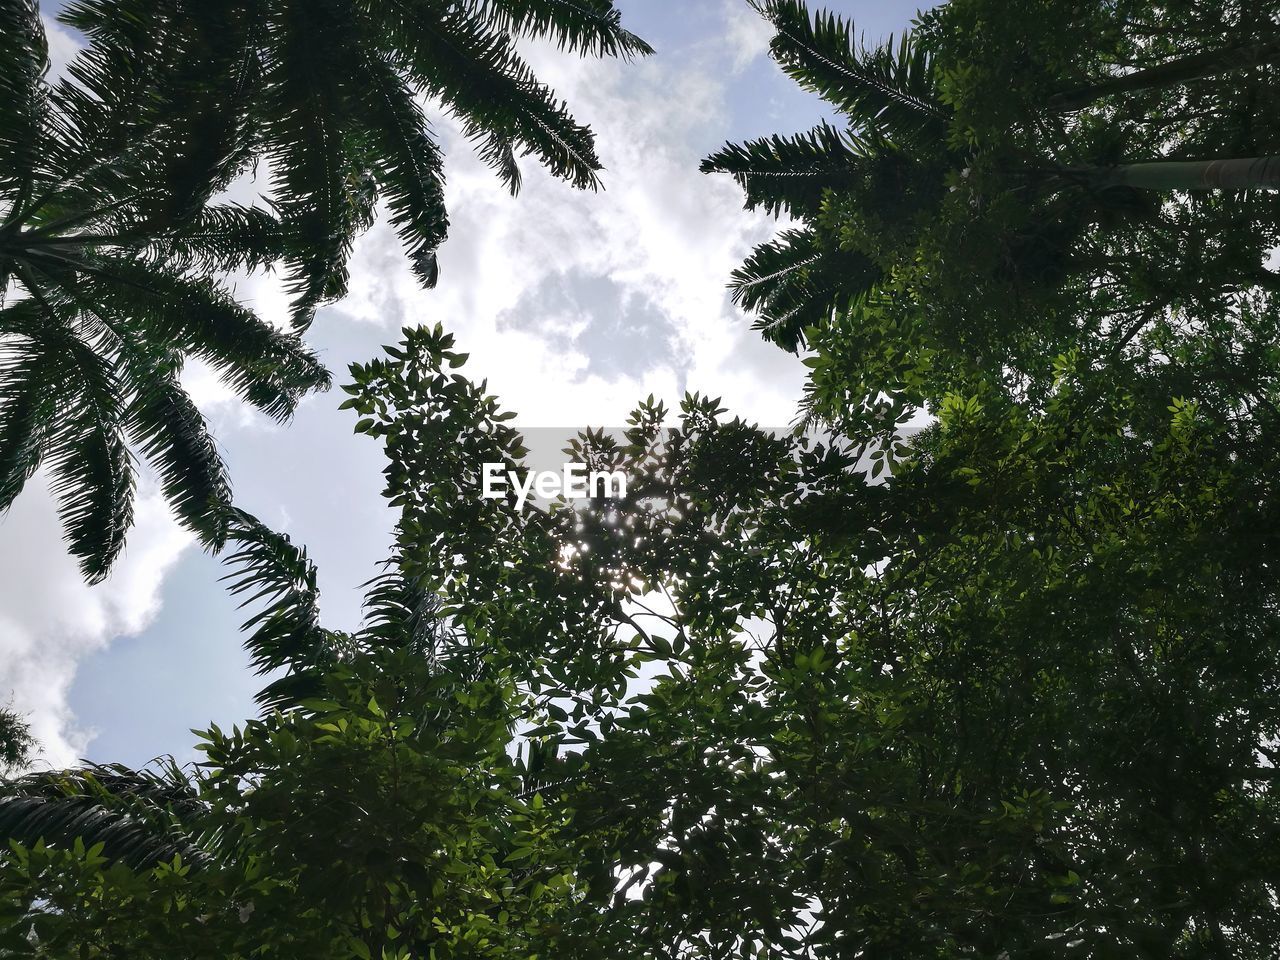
x,y
1001,683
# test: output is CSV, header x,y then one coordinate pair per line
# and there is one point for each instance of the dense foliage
x,y
372,811
1021,698
966,224
1005,686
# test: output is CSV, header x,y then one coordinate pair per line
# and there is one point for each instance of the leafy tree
x,y
1019,700
1006,689
372,811
15,741
991,197
966,226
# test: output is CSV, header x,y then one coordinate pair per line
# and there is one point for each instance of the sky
x,y
574,305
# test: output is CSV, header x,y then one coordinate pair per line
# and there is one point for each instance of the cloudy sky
x,y
573,305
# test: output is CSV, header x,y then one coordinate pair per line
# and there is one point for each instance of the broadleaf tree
x,y
1020,698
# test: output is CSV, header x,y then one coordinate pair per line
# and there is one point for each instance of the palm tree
x,y
106,297
898,148
108,232
328,92
890,98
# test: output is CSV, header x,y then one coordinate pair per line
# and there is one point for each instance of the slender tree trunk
x,y
1167,74
1245,173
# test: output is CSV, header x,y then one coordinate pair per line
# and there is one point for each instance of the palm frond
x,y
579,26
409,169
30,375
400,613
887,91
141,817
24,59
319,186
267,367
795,282
478,75
91,471
79,422
100,119
205,125
789,174
285,632
223,238
201,68
174,436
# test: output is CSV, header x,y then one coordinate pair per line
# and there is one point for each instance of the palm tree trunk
x,y
1167,74
1246,173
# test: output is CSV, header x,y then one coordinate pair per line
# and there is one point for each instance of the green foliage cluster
x,y
374,809
1021,698
15,740
1006,687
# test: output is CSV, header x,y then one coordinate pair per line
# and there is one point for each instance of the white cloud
x,y
51,619
660,232
747,32
62,46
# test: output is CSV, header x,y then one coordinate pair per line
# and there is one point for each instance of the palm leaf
x,y
586,26
206,127
477,74
141,818
30,375
886,91
408,162
400,613
317,180
201,66
285,632
268,368
170,430
100,145
91,472
790,174
223,238
795,282
24,58
213,239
